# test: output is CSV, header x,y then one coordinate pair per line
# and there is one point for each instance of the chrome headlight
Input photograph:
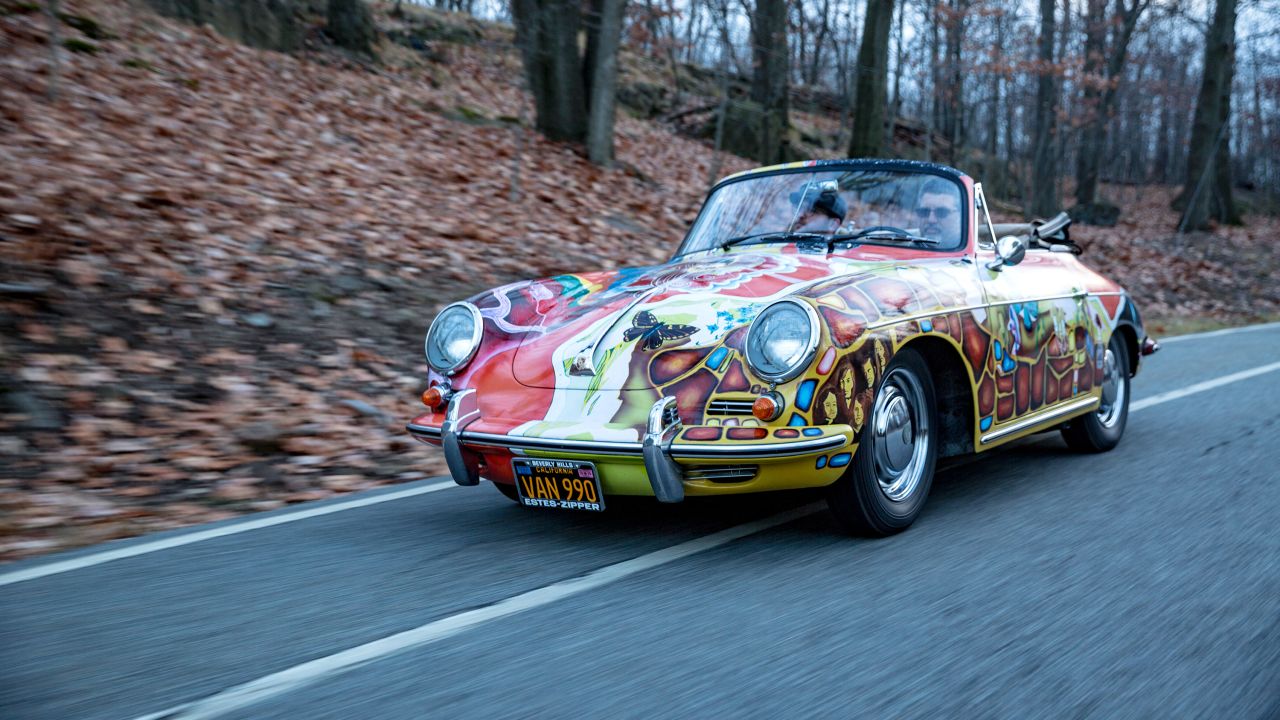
x,y
454,337
782,340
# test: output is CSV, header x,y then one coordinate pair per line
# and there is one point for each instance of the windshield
x,y
832,202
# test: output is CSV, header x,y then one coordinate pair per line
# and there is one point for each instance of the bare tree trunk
x,y
1095,36
721,111
895,106
603,80
1065,102
997,61
1044,199
819,40
872,75
769,85
935,71
547,31
1102,82
1206,192
953,95
1160,161
350,26
55,48
721,11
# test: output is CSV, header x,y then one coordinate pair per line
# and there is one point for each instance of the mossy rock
x,y
443,27
644,100
76,45
9,7
744,131
428,50
137,64
265,24
87,26
1102,214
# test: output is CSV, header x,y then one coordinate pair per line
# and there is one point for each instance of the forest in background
x,y
217,261
1037,100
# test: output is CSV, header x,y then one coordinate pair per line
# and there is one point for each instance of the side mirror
x,y
1010,250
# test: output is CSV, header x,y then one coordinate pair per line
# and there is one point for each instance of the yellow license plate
x,y
564,484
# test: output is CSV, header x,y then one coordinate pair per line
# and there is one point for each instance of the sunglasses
x,y
939,212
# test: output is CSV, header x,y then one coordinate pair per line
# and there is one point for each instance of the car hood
x,y
612,330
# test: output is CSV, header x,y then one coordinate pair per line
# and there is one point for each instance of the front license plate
x,y
564,484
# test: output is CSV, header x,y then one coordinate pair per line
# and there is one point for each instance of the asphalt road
x,y
1144,582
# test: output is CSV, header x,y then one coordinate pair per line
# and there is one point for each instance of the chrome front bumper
x,y
657,448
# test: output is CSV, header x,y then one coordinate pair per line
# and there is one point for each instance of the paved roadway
x,y
1144,582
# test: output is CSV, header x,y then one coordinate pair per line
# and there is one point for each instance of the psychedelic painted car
x,y
834,324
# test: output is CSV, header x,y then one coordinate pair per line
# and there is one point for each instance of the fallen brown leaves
x,y
242,250
235,253
1225,277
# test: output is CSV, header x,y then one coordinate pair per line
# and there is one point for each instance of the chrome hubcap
x,y
900,435
1113,391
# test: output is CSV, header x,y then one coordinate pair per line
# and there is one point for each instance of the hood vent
x,y
721,473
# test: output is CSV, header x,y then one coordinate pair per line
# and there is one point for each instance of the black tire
x,y
509,491
876,497
1101,430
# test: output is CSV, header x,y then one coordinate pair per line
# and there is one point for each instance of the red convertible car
x,y
838,324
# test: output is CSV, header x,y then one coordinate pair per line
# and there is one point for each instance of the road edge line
x,y
1216,333
145,547
312,671
1200,387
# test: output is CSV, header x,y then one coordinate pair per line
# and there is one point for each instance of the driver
x,y
938,210
819,207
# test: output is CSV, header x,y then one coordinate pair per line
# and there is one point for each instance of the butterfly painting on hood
x,y
653,333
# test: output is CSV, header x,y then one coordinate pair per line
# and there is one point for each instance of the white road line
x,y
1216,333
1202,386
298,676
308,673
128,551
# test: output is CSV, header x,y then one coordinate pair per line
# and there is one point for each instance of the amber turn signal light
x,y
433,398
766,408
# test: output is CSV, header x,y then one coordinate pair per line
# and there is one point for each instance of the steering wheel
x,y
880,228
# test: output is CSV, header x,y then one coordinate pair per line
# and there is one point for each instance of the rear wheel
x,y
885,487
1102,429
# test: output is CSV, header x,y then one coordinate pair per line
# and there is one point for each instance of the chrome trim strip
x,y
775,449
1041,419
423,430
538,443
787,449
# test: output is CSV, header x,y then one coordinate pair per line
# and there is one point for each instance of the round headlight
x,y
782,340
454,337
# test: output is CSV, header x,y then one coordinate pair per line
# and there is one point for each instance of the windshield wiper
x,y
878,232
774,236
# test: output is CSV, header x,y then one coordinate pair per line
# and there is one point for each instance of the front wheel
x,y
885,487
1102,429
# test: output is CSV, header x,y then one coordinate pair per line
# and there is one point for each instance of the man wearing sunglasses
x,y
938,211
